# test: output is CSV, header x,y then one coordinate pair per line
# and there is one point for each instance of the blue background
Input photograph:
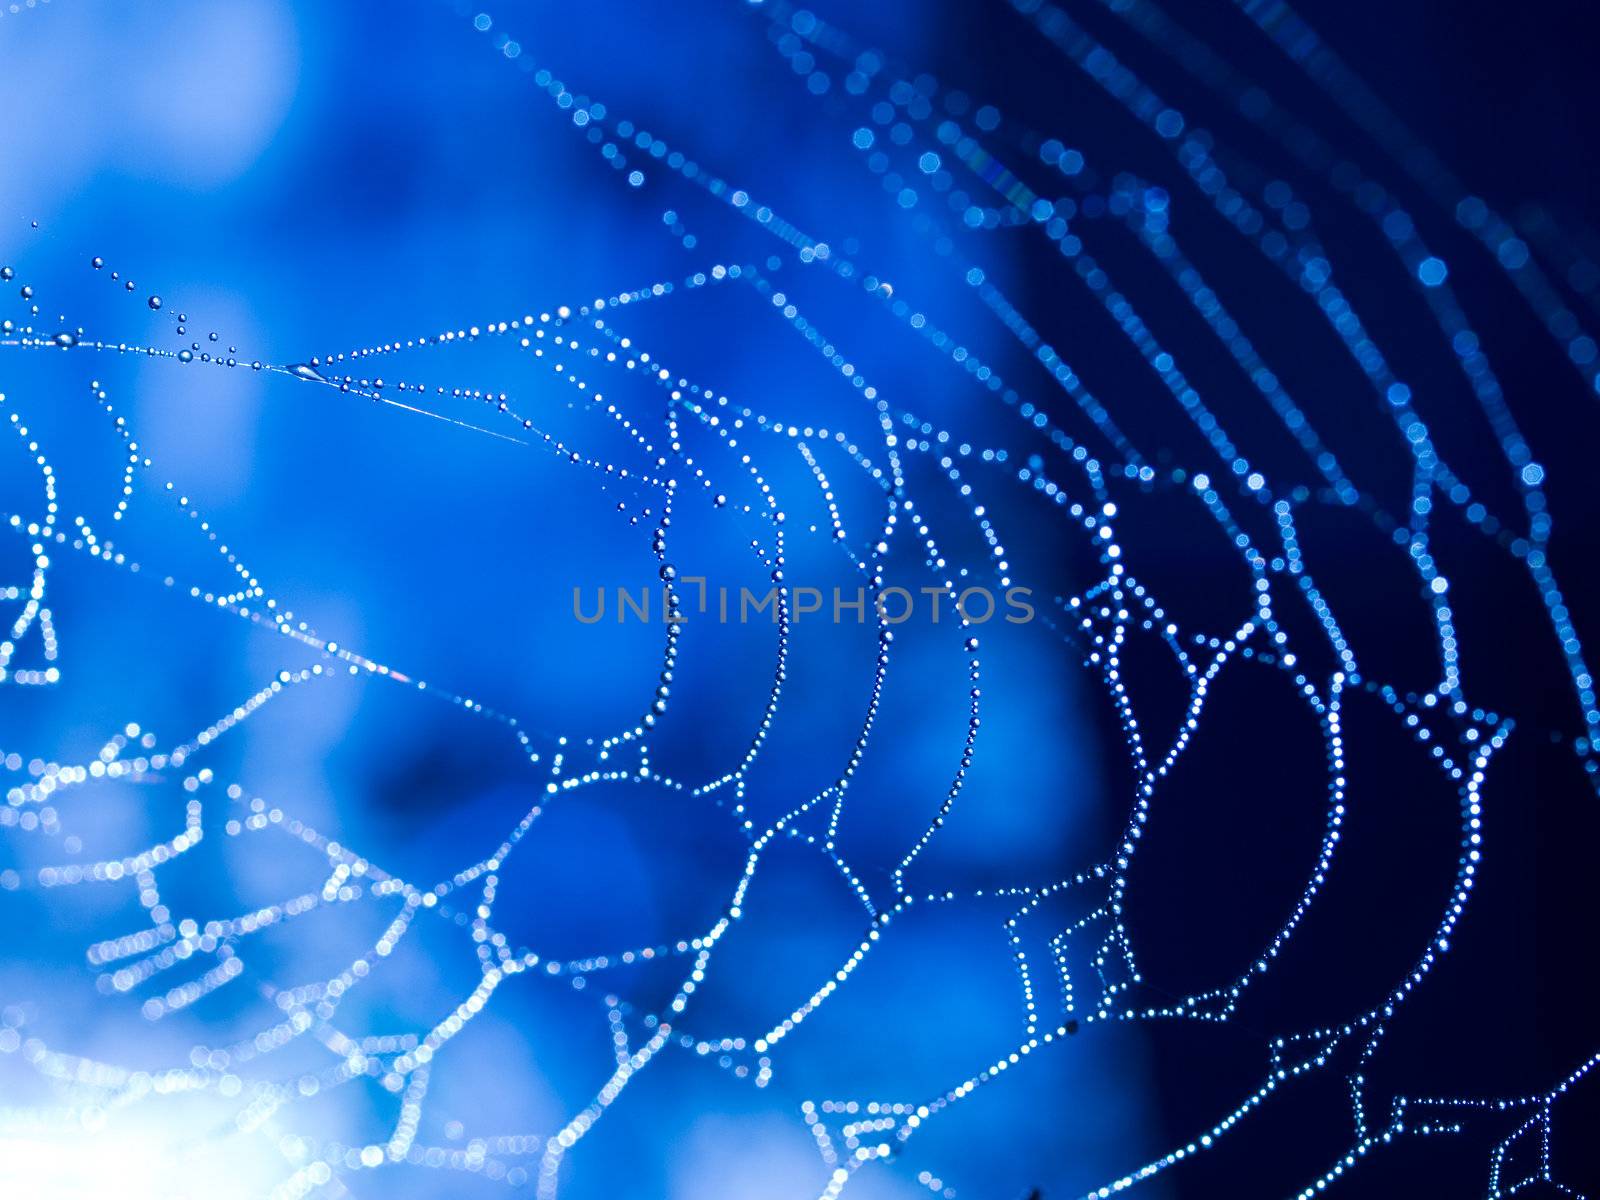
x,y
307,179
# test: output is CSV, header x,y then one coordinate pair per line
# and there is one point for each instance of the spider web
x,y
1187,546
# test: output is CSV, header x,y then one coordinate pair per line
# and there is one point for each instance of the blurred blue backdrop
x,y
305,180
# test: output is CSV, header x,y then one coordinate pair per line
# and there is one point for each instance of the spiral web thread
x,y
914,150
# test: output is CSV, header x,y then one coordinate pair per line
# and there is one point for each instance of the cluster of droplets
x,y
921,142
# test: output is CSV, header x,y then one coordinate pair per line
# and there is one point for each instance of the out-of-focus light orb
x,y
137,1155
